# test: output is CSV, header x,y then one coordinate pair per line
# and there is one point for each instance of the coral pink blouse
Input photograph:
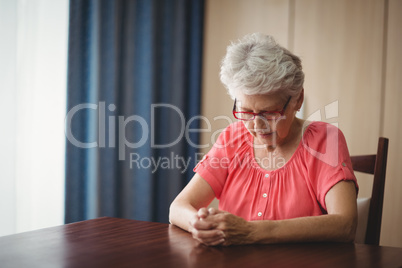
x,y
297,189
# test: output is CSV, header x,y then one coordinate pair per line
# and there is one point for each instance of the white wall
x,y
8,26
33,72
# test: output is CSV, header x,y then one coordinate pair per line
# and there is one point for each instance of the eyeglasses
x,y
270,115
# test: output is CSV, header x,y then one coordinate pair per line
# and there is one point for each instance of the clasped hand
x,y
213,227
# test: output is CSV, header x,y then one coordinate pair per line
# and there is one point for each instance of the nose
x,y
262,124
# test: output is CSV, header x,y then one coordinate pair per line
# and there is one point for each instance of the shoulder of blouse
x,y
318,130
323,140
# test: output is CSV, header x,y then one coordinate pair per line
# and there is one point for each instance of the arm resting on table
x,y
187,211
339,225
197,194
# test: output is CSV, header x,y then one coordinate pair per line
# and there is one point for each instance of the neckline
x,y
299,147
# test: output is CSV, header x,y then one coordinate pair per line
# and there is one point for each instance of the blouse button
x,y
264,195
266,175
344,164
259,214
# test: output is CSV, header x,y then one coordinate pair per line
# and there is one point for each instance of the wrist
x,y
262,232
253,232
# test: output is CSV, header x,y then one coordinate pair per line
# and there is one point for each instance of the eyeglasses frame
x,y
281,112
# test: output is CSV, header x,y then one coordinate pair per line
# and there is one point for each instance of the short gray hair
x,y
256,64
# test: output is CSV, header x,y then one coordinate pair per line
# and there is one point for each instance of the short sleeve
x,y
328,159
214,166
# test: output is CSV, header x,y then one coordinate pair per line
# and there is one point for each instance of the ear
x,y
300,99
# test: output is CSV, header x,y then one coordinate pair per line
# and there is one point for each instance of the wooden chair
x,y
375,164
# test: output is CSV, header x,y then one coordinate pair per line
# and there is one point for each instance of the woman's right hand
x,y
204,230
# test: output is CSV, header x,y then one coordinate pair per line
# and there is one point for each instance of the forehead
x,y
261,102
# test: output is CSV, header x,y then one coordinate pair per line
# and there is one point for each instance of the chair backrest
x,y
375,164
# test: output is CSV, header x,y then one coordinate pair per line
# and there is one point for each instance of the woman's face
x,y
268,132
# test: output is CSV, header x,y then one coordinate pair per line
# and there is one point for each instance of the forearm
x,y
195,195
181,213
308,229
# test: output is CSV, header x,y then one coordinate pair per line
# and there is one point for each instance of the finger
x,y
220,240
216,242
203,213
210,222
193,220
207,235
204,224
212,211
208,240
211,241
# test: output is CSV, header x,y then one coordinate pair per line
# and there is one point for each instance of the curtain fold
x,y
134,82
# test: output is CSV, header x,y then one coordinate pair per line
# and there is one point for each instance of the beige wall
x,y
350,52
391,126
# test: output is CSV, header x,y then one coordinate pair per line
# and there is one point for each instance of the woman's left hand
x,y
235,229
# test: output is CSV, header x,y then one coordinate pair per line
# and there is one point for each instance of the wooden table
x,y
112,242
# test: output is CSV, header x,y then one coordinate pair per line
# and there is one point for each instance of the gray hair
x,y
256,64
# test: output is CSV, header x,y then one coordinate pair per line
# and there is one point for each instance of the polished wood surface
x,y
112,242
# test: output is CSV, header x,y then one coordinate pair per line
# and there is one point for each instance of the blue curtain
x,y
134,82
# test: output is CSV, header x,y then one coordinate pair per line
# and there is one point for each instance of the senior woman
x,y
278,178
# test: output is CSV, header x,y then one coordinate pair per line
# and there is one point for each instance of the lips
x,y
265,134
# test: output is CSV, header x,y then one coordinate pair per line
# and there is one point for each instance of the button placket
x,y
263,195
